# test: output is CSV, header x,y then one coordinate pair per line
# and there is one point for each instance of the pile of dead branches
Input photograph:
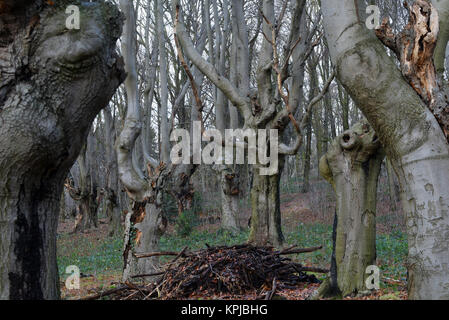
x,y
234,270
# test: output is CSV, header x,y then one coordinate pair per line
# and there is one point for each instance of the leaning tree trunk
x,y
53,83
413,139
352,166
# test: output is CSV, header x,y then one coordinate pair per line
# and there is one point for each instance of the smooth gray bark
x,y
412,139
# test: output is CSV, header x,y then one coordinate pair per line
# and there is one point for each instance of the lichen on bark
x,y
352,167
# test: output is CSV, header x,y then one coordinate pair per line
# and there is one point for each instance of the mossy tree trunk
x,y
266,209
352,165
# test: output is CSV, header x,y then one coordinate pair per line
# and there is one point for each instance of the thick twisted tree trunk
x,y
266,209
352,166
53,83
412,138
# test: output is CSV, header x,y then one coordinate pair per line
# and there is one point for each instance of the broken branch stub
x,y
415,47
352,166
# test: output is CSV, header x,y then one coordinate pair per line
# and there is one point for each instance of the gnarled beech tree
x,y
399,107
53,82
352,166
266,107
146,223
146,214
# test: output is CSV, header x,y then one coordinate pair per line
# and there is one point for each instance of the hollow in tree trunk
x,y
352,165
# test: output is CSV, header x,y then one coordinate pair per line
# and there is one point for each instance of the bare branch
x,y
209,70
291,150
317,99
196,94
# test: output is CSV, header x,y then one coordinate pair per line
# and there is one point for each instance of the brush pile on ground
x,y
234,270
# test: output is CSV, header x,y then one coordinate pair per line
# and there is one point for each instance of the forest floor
x,y
99,257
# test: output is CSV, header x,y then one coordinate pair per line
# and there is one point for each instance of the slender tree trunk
x,y
163,81
112,187
307,156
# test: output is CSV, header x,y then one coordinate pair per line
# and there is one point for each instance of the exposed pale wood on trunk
x,y
415,48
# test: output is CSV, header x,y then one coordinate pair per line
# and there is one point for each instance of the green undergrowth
x,y
92,256
104,255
